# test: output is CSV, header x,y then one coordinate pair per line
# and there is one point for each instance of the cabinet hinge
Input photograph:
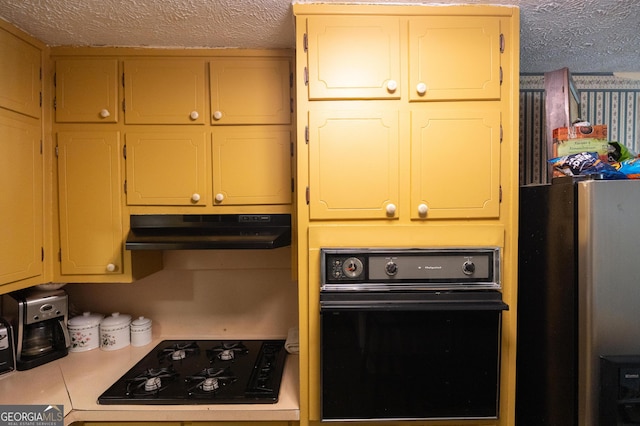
x,y
306,194
291,148
40,74
125,186
124,152
57,150
306,135
291,109
501,43
292,185
42,254
500,193
41,147
55,102
501,76
40,99
306,76
124,106
501,133
305,42
122,79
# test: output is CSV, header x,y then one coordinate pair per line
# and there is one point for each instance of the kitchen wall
x,y
605,99
205,293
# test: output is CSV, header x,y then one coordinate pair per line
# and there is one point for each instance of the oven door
x,y
411,355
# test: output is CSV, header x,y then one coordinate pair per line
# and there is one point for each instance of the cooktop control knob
x,y
468,267
352,267
391,268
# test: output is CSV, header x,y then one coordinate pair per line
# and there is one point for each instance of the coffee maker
x,y
39,321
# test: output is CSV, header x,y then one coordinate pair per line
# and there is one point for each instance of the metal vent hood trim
x,y
209,232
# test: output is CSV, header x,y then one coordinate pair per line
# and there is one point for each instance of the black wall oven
x,y
410,334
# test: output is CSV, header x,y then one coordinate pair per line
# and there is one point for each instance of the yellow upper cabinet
x,y
354,164
167,168
454,58
252,165
90,191
455,162
250,91
353,57
86,91
21,238
164,91
20,82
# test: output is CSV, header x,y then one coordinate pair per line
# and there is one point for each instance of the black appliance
x,y
619,390
577,294
410,334
7,354
39,321
203,372
208,231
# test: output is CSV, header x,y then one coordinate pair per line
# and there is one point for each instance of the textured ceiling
x,y
588,36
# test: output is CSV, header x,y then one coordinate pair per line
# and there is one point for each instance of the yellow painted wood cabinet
x,y
20,75
252,165
90,205
250,91
86,90
164,91
21,198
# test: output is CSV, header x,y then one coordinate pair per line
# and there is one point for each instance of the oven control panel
x,y
450,268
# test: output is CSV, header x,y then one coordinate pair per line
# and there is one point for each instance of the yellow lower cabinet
x,y
251,165
455,162
167,168
21,203
89,190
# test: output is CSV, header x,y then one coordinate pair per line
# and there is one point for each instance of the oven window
x,y
409,364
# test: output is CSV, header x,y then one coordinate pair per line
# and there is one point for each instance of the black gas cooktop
x,y
203,372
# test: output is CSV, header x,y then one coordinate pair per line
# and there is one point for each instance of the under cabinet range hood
x,y
209,231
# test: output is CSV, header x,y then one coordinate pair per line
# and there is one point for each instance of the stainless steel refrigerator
x,y
578,294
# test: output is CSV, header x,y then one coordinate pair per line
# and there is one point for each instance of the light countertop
x,y
77,380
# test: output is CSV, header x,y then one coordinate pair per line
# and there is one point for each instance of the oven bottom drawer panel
x,y
395,364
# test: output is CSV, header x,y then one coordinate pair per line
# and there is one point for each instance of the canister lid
x,y
86,319
140,322
116,319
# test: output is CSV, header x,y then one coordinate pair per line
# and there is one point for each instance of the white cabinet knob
x,y
422,209
111,267
219,197
391,209
195,197
217,115
392,85
105,113
194,115
421,88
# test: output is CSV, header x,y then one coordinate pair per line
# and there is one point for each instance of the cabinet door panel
x,y
21,239
250,91
20,82
167,168
252,165
90,188
167,91
353,57
87,90
455,162
353,164
454,57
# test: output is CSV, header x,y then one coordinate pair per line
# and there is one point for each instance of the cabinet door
x,y
86,91
250,91
353,164
454,58
164,91
90,188
353,57
167,168
21,202
455,162
19,82
252,165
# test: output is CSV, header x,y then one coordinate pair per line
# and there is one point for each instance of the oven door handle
x,y
431,301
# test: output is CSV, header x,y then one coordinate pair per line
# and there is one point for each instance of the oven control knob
x,y
391,268
352,267
468,267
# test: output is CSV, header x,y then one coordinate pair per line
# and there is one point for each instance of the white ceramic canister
x,y
140,331
84,332
114,332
